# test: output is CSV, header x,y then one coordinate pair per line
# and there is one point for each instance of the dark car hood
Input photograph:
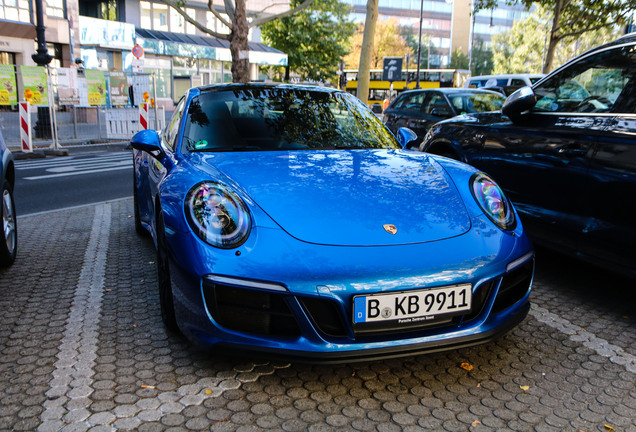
x,y
346,197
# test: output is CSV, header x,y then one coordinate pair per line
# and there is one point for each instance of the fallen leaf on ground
x,y
466,366
524,388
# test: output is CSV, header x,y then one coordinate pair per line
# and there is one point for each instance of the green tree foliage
x,y
236,20
458,60
315,39
482,62
572,18
409,34
388,42
524,48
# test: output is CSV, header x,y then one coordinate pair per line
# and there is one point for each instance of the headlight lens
x,y
492,201
217,215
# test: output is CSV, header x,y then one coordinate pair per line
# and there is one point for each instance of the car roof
x,y
450,90
262,86
514,75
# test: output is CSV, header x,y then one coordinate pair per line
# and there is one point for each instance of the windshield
x,y
476,102
281,118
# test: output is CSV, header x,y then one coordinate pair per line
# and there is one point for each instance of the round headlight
x,y
492,201
217,215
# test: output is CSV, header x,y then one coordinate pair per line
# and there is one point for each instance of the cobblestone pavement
x,y
82,347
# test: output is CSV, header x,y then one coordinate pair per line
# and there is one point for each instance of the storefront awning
x,y
205,47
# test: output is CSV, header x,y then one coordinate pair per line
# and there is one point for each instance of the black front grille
x,y
514,286
325,315
480,296
250,311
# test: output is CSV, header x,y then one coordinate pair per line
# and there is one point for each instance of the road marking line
x,y
73,371
20,216
48,176
68,160
577,334
88,166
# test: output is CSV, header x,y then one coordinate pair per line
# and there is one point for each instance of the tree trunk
x,y
364,70
554,38
238,44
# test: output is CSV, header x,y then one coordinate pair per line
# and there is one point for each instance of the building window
x,y
55,8
145,20
160,17
178,24
15,10
7,58
109,10
214,24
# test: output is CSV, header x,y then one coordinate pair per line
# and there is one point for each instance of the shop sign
x,y
205,52
34,84
68,86
111,34
118,88
96,87
8,88
179,49
268,58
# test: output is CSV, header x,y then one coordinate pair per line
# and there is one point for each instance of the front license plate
x,y
408,308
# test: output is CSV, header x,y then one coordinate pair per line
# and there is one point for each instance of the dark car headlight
x,y
492,201
217,215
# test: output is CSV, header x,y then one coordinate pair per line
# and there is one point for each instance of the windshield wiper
x,y
226,149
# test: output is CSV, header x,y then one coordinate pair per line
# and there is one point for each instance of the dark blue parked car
x,y
8,233
289,220
564,151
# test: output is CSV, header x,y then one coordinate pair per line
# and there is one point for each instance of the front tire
x,y
9,232
166,299
141,231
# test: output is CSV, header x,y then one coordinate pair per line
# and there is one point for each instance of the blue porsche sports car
x,y
289,220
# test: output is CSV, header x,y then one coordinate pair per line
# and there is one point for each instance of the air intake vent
x,y
514,286
250,311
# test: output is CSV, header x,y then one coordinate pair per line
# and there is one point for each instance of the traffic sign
x,y
138,51
392,69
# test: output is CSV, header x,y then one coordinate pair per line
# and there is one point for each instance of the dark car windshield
x,y
476,102
281,118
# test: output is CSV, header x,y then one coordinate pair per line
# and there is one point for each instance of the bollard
x,y
25,127
143,115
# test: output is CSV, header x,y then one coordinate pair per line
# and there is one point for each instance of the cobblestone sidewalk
x,y
82,348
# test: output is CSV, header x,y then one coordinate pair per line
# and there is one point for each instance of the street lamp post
x,y
43,58
419,45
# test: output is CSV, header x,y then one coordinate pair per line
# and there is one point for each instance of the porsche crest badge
x,y
391,229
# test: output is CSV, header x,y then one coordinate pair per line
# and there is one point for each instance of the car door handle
x,y
572,150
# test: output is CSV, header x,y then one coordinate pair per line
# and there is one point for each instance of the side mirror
x,y
406,136
520,101
376,108
147,140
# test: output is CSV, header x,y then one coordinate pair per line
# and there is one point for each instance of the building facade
x,y
134,37
450,24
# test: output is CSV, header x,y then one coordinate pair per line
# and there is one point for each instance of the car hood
x,y
349,197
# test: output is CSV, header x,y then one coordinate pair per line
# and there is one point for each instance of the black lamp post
x,y
42,57
419,45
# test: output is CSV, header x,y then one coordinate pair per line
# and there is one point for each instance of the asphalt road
x,y
85,176
82,347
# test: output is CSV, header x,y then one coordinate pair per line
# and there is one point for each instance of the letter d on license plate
x,y
408,308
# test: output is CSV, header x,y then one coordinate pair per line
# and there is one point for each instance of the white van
x,y
516,80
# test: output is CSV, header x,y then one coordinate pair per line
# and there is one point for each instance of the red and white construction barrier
x,y
143,115
25,127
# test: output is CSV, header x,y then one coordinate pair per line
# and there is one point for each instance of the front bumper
x,y
294,300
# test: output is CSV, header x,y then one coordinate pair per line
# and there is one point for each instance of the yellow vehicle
x,y
381,91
